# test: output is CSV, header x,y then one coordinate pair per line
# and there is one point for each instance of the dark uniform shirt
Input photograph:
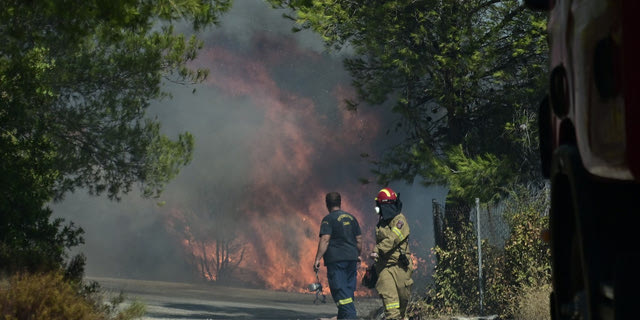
x,y
343,228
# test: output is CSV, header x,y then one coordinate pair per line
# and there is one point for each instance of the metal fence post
x,y
479,252
438,225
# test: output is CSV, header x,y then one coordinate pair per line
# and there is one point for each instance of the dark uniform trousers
x,y
342,276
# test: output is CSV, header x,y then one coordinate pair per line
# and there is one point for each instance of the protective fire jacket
x,y
387,239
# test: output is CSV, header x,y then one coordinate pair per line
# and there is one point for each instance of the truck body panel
x,y
587,40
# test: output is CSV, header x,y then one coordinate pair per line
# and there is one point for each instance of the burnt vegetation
x,y
209,230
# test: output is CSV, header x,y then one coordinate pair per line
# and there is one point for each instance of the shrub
x,y
527,263
44,297
49,296
533,303
517,274
455,288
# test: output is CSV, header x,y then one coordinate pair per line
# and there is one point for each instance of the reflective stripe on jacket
x,y
388,237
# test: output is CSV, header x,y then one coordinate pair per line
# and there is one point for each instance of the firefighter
x,y
391,255
339,246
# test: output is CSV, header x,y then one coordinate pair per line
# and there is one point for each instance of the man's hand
x,y
316,265
323,244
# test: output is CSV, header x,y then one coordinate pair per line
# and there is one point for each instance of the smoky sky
x,y
272,135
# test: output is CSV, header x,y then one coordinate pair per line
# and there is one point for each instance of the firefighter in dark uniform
x,y
391,255
340,245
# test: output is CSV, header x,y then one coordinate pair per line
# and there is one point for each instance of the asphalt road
x,y
172,300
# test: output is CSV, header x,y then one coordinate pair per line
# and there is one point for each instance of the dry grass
x,y
50,297
4,284
533,304
44,297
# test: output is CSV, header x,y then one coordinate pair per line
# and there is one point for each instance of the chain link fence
x,y
494,228
482,261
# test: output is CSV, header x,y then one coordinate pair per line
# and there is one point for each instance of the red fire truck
x,y
590,150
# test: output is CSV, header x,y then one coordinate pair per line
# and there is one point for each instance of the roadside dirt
x,y
173,300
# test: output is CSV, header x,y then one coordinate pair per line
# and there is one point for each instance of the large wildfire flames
x,y
306,146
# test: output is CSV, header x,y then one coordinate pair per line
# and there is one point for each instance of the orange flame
x,y
298,154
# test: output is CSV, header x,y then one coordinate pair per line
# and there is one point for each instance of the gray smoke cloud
x,y
266,84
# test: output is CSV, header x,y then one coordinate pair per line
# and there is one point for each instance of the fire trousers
x,y
342,276
394,286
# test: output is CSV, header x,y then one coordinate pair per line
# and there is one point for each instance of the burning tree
x,y
209,236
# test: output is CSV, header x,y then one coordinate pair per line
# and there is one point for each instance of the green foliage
x,y
79,88
29,239
511,275
527,258
49,296
113,309
458,72
136,310
76,78
455,278
468,178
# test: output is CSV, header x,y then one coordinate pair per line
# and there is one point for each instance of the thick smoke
x,y
272,137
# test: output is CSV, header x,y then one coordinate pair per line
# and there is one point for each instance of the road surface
x,y
173,300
